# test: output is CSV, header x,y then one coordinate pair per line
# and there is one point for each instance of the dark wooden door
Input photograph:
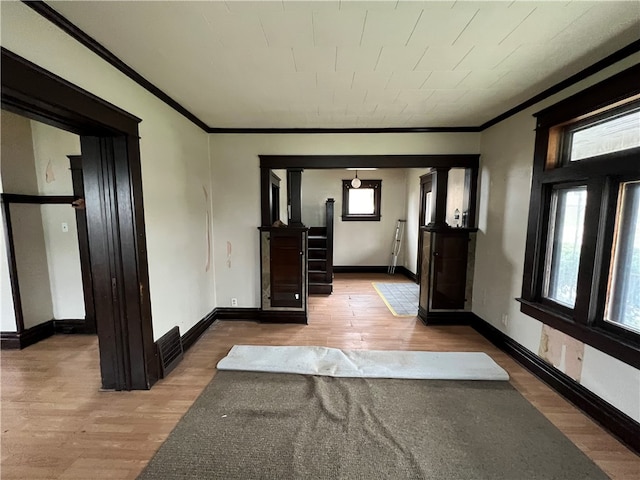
x,y
449,271
286,269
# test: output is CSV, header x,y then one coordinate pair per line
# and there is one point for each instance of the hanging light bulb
x,y
355,183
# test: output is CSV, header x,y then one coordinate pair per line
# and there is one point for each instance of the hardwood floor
x,y
56,423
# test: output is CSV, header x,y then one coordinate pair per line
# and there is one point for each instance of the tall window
x,y
362,203
582,264
564,244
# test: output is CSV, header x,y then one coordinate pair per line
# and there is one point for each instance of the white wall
x,y
51,147
18,176
356,243
236,190
505,184
175,168
7,313
31,264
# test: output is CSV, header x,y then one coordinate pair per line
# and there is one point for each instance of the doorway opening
x,y
110,150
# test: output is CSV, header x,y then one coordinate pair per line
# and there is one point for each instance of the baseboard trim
x,y
238,314
70,326
360,269
445,318
407,273
619,424
275,316
18,341
222,313
193,334
374,269
9,340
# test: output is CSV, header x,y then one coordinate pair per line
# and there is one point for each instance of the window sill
x,y
596,337
360,218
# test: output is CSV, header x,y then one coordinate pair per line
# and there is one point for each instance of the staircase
x,y
320,255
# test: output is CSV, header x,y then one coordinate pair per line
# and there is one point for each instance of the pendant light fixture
x,y
355,183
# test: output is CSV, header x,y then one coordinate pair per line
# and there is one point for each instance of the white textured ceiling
x,y
355,64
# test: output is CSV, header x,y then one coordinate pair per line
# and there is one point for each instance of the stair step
x,y
317,277
320,288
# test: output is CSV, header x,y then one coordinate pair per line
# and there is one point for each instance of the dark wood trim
x,y
402,270
277,316
75,32
71,325
36,333
368,161
609,417
444,318
573,79
601,175
265,196
439,193
193,334
603,340
13,267
608,92
9,341
32,91
272,131
113,186
223,313
89,42
238,314
75,162
377,201
329,220
20,340
294,194
360,268
38,199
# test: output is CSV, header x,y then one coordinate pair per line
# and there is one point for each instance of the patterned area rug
x,y
401,298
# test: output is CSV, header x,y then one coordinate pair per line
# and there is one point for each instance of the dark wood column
x,y
439,189
294,186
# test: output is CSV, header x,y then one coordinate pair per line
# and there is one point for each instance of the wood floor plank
x,y
57,423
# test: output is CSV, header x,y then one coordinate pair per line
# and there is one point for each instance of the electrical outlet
x,y
234,302
65,227
505,319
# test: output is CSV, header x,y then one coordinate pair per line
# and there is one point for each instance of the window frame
x,y
376,185
602,176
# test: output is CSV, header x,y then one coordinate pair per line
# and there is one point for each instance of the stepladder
x,y
396,246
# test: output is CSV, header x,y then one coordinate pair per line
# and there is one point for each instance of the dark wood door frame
x,y
298,162
83,245
115,219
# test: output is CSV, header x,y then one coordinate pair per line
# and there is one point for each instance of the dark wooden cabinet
x,y
284,274
446,276
286,254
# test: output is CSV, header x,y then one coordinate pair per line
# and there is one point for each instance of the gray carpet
x,y
401,298
284,426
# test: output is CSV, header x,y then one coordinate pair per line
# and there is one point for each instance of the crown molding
x,y
344,130
78,34
92,44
